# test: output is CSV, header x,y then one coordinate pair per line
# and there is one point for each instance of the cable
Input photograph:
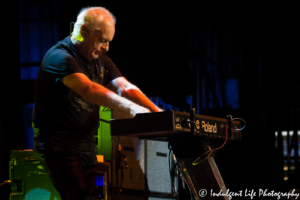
x,y
212,150
5,188
188,186
240,120
171,175
112,140
71,27
7,182
122,177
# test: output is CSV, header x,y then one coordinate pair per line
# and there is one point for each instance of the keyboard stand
x,y
203,179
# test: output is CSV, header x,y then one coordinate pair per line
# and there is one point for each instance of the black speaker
x,y
203,179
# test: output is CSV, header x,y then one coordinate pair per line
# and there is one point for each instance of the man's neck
x,y
73,40
78,47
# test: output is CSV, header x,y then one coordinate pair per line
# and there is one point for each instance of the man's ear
x,y
84,31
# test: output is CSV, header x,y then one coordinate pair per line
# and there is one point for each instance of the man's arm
x,y
97,94
125,89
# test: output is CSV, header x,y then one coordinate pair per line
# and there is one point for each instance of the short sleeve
x,y
58,63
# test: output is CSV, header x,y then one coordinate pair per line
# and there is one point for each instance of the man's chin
x,y
95,56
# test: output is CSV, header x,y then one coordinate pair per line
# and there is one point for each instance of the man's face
x,y
97,41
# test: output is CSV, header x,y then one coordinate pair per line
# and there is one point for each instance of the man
x,y
74,79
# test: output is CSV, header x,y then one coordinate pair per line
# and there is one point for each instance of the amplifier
x,y
29,179
145,174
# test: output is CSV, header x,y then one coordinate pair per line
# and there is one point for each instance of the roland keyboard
x,y
163,125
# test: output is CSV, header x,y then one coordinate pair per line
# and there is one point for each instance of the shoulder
x,y
60,61
61,52
58,56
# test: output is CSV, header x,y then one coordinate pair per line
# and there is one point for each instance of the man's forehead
x,y
105,30
105,24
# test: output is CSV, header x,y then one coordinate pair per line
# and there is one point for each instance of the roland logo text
x,y
209,128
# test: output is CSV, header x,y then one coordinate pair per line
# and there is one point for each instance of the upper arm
x,y
120,85
57,64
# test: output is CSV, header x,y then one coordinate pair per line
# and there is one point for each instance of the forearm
x,y
139,98
102,96
126,89
97,94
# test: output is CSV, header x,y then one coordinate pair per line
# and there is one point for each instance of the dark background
x,y
174,51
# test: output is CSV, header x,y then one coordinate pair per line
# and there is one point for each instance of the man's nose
x,y
105,46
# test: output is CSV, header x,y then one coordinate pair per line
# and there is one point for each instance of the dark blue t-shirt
x,y
63,117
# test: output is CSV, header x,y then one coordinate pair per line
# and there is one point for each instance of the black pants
x,y
73,172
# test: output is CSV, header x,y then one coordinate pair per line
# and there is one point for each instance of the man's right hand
x,y
134,109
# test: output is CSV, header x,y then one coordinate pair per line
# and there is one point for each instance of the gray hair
x,y
91,19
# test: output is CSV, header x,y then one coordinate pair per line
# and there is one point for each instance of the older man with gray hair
x,y
75,78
